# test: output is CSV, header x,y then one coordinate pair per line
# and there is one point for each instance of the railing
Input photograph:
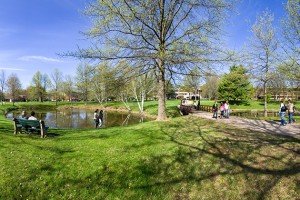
x,y
206,108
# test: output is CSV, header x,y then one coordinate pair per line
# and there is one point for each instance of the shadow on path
x,y
266,126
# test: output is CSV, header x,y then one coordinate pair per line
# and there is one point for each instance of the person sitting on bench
x,y
32,117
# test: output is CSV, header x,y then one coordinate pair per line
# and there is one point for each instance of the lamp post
x,y
198,105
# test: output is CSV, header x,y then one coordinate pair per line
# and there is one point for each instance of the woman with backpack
x,y
283,109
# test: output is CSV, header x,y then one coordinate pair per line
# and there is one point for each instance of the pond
x,y
78,118
256,114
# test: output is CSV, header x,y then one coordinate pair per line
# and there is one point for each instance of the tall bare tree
x,y
263,57
167,36
2,85
13,87
291,33
57,77
68,86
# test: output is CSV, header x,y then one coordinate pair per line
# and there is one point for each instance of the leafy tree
x,y
164,36
13,86
84,74
191,82
170,90
2,85
68,87
40,84
263,56
235,85
210,88
142,86
104,83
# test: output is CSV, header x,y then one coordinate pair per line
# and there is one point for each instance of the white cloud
x,y
41,58
11,69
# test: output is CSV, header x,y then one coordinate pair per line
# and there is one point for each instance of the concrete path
x,y
266,126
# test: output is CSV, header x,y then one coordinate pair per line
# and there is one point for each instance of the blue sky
x,y
33,32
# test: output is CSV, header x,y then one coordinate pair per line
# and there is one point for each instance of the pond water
x,y
78,118
257,114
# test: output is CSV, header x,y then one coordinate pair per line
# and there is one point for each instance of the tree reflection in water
x,y
75,118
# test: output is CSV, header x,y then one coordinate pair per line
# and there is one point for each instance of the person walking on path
x,y
291,110
96,118
222,110
283,109
215,110
227,109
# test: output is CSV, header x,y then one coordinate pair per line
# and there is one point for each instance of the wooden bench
x,y
30,125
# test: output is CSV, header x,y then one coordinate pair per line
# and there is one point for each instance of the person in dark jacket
x,y
215,110
100,118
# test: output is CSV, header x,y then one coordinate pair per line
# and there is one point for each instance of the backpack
x,y
284,108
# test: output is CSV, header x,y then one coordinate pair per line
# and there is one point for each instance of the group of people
x,y
224,110
98,118
290,108
24,115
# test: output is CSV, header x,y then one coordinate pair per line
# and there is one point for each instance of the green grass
x,y
183,158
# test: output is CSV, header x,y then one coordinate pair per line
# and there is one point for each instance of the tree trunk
x,y
162,115
265,98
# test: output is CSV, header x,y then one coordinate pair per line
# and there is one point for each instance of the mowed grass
x,y
183,158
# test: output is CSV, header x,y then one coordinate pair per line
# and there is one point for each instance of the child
x,y
222,108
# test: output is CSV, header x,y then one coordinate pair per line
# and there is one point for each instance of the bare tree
x,y
13,87
263,53
291,33
165,36
2,85
57,78
68,86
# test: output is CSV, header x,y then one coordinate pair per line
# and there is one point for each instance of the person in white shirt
x,y
32,116
96,118
227,108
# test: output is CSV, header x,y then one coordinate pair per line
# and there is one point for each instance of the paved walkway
x,y
266,126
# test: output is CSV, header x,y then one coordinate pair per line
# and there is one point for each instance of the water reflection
x,y
75,118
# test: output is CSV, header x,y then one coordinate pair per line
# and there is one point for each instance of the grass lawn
x,y
183,158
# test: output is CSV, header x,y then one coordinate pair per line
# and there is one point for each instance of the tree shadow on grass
x,y
202,159
259,161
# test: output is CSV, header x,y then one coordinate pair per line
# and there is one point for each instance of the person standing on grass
x,y
291,110
222,110
215,110
100,119
283,109
227,108
96,118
